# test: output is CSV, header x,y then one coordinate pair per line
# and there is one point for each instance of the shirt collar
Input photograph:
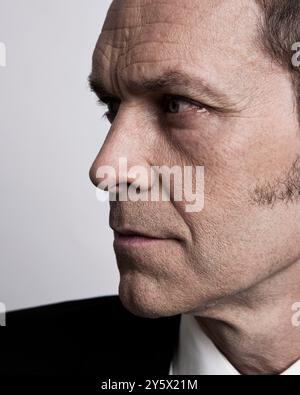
x,y
196,354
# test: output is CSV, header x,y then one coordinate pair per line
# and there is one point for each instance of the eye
x,y
177,105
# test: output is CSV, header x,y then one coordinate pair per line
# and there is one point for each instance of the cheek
x,y
212,144
227,186
226,178
236,155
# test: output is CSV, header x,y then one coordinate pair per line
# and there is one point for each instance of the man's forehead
x,y
136,14
148,34
177,28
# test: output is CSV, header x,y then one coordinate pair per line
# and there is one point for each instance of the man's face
x,y
222,104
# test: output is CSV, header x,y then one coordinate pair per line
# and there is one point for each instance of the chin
x,y
145,297
140,303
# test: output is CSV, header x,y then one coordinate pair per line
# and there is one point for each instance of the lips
x,y
122,239
146,223
121,232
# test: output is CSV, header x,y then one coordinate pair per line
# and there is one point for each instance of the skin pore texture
x,y
235,264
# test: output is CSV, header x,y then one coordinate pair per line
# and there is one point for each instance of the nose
x,y
124,148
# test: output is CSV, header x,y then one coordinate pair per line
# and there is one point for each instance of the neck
x,y
254,329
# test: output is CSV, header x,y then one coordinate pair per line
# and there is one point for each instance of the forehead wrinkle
x,y
202,17
115,5
119,41
143,18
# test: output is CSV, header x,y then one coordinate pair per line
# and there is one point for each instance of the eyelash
x,y
165,100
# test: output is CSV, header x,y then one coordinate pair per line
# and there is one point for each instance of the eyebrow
x,y
172,82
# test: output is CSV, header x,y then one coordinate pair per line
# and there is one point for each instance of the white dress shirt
x,y
197,355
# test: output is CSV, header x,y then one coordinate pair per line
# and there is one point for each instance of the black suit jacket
x,y
96,337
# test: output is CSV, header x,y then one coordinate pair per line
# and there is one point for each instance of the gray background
x,y
55,240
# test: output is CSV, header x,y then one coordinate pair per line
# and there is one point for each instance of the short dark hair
x,y
280,29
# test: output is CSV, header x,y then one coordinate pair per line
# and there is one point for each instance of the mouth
x,y
129,238
133,239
